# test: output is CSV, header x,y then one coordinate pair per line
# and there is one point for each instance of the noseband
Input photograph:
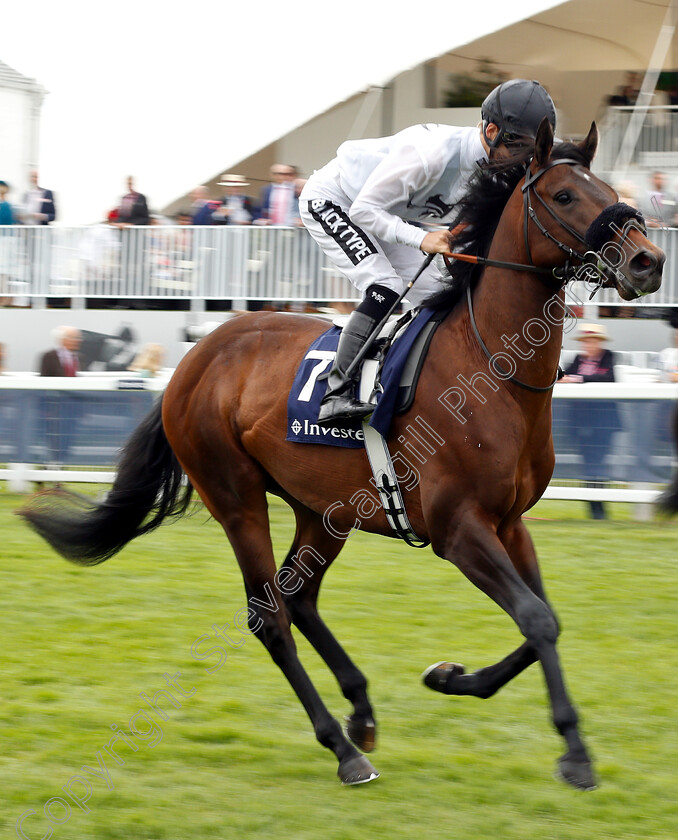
x,y
599,233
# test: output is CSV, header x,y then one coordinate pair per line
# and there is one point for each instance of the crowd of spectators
x,y
163,257
36,206
276,204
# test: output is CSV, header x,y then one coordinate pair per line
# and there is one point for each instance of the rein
x,y
593,240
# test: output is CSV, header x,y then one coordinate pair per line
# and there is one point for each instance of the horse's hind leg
x,y
312,552
475,548
242,511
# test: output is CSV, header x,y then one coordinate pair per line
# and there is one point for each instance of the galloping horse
x,y
222,423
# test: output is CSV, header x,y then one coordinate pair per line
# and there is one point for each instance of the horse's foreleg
x,y
574,766
312,552
450,677
476,549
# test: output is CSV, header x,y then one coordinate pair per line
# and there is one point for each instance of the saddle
x,y
388,378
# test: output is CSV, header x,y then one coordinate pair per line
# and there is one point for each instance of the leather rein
x,y
562,274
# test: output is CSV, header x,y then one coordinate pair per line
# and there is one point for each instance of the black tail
x,y
147,489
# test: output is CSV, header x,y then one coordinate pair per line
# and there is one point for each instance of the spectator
x,y
660,207
7,213
181,242
39,206
279,201
593,422
202,206
150,361
133,209
626,94
64,360
7,252
236,208
60,410
668,360
132,213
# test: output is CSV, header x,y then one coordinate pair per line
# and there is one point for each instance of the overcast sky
x,y
173,92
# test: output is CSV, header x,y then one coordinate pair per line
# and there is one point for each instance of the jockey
x,y
365,206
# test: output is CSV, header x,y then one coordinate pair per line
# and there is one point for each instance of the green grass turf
x,y
238,759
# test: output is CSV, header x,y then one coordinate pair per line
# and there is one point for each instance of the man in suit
x,y
279,200
60,409
62,361
133,212
133,209
202,206
39,207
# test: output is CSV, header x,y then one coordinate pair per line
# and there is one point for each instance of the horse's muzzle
x,y
643,275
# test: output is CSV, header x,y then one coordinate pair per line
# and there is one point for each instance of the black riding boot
x,y
339,402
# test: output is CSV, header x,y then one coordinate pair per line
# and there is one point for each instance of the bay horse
x,y
222,424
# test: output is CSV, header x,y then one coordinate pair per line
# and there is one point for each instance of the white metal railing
x,y
657,144
71,429
168,262
208,263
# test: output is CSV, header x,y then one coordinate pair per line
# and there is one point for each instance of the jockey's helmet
x,y
516,107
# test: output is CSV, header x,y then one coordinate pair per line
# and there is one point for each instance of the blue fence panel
x,y
601,440
70,427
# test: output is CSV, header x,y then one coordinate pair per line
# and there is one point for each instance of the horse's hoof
x,y
579,774
437,676
362,731
356,771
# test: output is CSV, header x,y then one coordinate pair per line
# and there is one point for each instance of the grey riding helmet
x,y
516,107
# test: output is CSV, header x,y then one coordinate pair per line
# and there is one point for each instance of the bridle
x,y
594,240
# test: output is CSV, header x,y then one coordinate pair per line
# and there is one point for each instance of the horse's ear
x,y
543,143
589,144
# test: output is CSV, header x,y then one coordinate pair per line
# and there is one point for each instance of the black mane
x,y
480,209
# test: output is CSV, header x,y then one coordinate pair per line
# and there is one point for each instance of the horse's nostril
x,y
643,263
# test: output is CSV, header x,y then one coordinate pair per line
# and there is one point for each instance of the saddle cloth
x,y
397,374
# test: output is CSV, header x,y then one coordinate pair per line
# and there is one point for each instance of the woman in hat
x,y
236,207
593,423
595,363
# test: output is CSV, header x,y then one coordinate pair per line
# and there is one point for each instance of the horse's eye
x,y
563,197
